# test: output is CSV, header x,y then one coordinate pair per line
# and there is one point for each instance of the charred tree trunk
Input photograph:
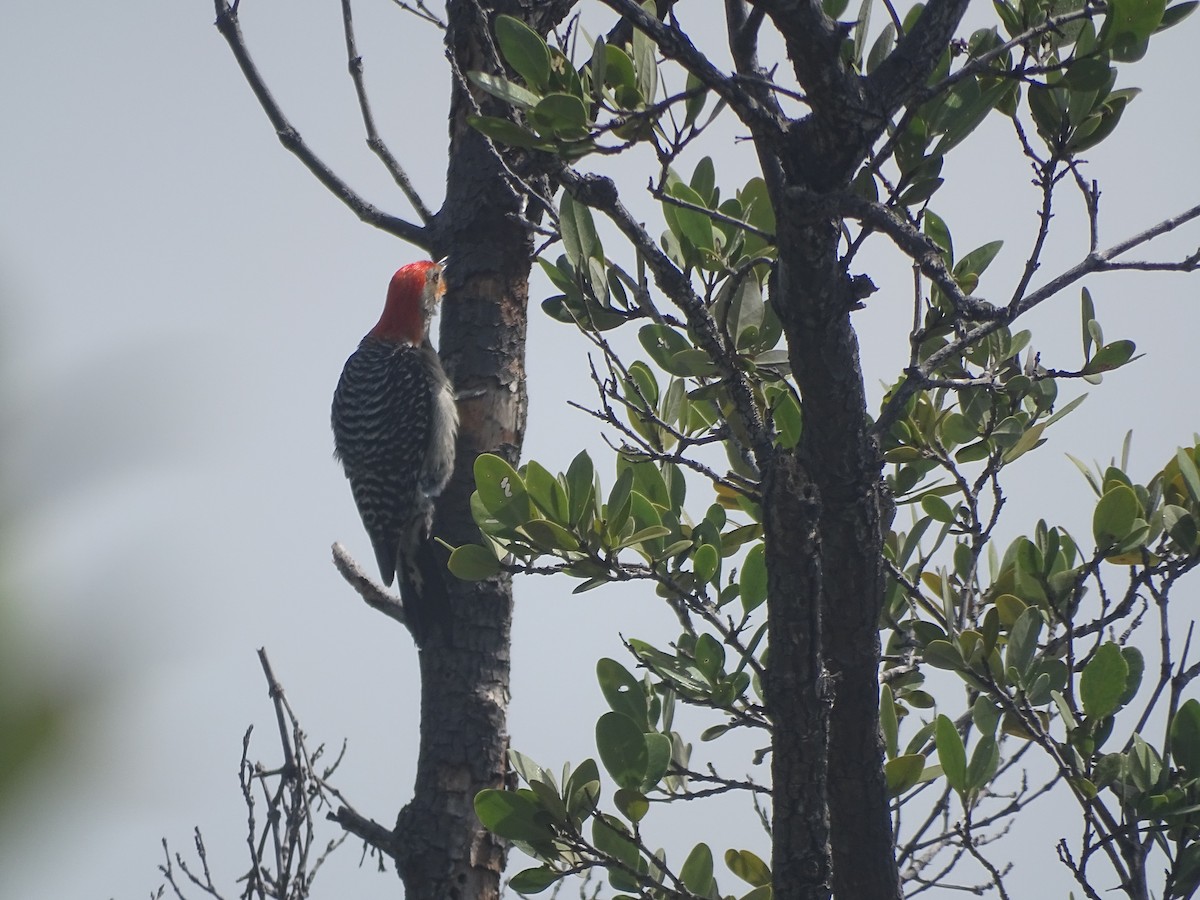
x,y
837,463
441,850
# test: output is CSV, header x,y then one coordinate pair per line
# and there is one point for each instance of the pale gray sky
x,y
177,297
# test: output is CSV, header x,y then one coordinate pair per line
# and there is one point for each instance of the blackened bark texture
x,y
844,465
794,695
829,576
441,850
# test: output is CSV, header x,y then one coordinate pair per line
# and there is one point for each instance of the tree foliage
x,y
834,566
1039,636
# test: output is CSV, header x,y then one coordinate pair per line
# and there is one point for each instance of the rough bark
x,y
838,464
441,850
795,696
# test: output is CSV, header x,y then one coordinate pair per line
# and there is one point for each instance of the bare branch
x,y
421,11
1092,263
917,246
375,596
227,24
374,141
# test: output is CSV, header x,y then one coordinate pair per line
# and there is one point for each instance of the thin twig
x,y
375,596
374,141
227,24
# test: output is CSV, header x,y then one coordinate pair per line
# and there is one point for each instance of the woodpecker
x,y
395,422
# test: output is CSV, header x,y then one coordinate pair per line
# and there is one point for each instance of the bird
x,y
395,423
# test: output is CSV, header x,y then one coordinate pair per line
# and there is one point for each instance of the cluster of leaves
x,y
566,110
644,757
1016,641
725,242
1067,71
531,514
1013,629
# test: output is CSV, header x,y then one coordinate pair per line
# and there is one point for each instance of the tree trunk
x,y
441,850
795,695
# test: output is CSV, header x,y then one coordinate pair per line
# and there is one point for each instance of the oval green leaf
x,y
622,748
471,562
1102,683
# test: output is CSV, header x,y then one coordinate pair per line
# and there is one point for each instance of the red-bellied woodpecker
x,y
395,422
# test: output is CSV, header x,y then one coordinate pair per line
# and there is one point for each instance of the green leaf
x,y
787,418
623,692
937,508
881,47
622,748
1109,357
977,261
582,790
580,241
694,105
501,490
1103,681
514,815
1137,666
1181,526
524,50
1114,516
619,498
748,867
753,578
1046,105
704,181
645,62
943,655
560,115
862,25
1090,73
692,224
534,881
1145,765
951,754
984,760
658,750
903,772
705,563
1088,313
510,92
525,767
633,805
697,871
471,562
662,342
611,837
547,494
507,132
709,654
1128,26
1177,13
969,117
597,68
1185,737
1022,644
1191,477
937,231
581,488
548,797
888,723
618,69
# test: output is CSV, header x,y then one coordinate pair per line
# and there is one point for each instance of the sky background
x,y
177,298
